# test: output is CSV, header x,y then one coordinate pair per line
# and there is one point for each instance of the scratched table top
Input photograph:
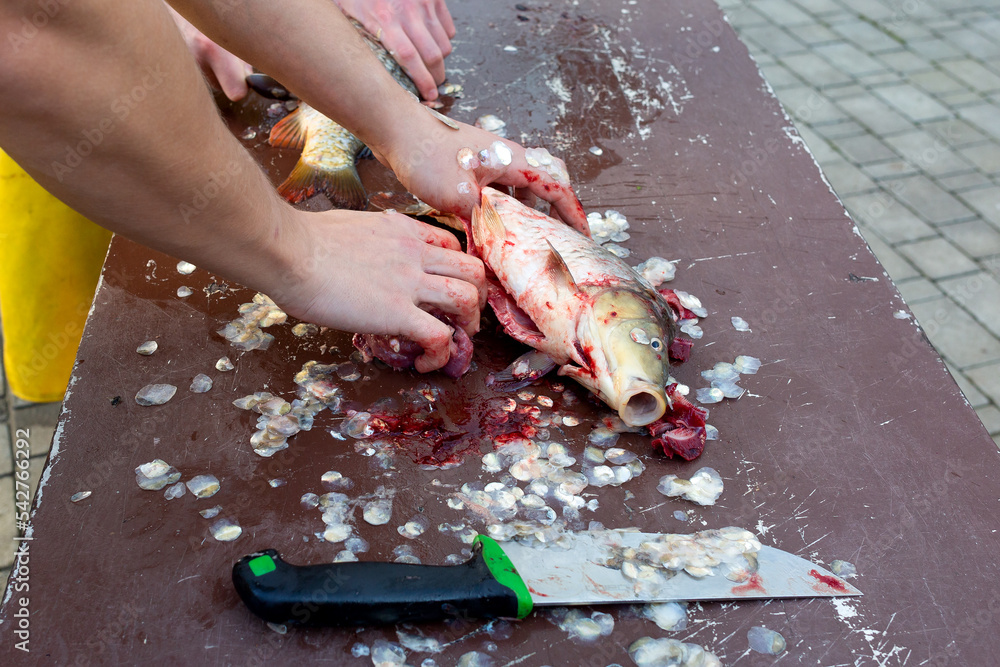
x,y
852,441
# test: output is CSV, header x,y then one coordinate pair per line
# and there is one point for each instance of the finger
x,y
403,50
436,236
427,47
230,72
525,196
458,265
455,297
558,193
434,336
444,16
436,30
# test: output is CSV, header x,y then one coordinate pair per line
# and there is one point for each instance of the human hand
x,y
380,273
424,154
416,32
222,69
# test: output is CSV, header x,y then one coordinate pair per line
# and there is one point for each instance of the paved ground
x,y
900,103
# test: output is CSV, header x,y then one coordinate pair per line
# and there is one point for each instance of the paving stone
x,y
990,27
937,82
743,16
986,202
818,146
816,70
814,33
880,79
773,39
975,397
962,182
990,416
980,295
782,12
809,106
960,339
849,59
973,75
6,452
864,149
839,130
847,179
893,263
879,211
7,530
977,238
961,99
930,153
934,49
891,169
936,258
870,10
987,379
909,31
780,76
956,132
905,61
874,114
917,290
935,205
912,102
848,90
971,42
985,157
820,7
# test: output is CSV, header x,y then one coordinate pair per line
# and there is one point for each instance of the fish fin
x,y
486,222
342,186
582,376
289,132
523,371
561,263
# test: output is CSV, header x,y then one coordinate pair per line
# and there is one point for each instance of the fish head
x,y
633,331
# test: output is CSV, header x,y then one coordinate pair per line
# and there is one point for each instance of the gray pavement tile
x,y
869,10
990,416
986,202
977,238
937,258
809,106
980,295
976,398
816,70
782,12
773,39
985,157
961,99
973,43
935,205
847,179
894,264
41,438
779,76
879,79
937,82
934,49
742,15
911,30
874,114
6,452
814,33
890,169
904,61
818,146
849,59
956,132
987,380
840,129
963,182
848,90
820,7
917,290
912,102
893,222
930,153
958,337
988,27
864,149
7,530
973,74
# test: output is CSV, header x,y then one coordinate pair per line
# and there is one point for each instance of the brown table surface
x,y
853,442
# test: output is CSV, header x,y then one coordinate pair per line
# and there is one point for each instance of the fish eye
x,y
656,344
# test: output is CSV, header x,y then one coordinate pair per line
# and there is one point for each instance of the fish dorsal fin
x,y
289,132
486,223
560,262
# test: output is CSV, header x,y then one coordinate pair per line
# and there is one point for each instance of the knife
x,y
505,582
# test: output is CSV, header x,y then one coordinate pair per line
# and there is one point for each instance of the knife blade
x,y
509,580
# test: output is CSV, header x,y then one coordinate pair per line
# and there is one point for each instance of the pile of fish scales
x,y
649,652
246,332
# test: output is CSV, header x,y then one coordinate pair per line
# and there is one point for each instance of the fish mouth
x,y
642,404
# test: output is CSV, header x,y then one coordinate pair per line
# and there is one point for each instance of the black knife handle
x,y
369,593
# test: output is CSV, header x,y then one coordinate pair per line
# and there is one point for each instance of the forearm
x,y
104,107
313,49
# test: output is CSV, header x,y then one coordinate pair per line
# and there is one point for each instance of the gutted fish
x,y
584,308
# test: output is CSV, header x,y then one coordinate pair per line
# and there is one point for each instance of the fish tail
x,y
342,185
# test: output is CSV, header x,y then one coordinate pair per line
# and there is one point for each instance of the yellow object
x,y
50,261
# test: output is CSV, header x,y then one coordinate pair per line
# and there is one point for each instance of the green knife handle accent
x,y
369,593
